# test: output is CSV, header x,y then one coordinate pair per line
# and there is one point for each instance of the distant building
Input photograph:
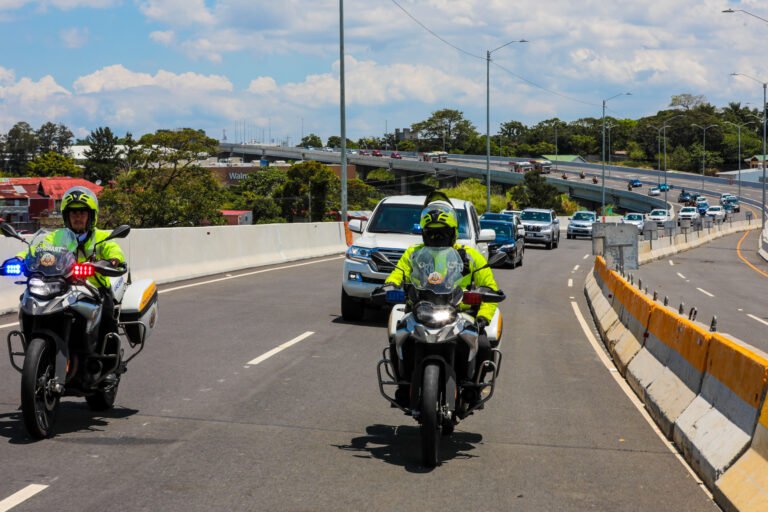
x,y
404,134
565,158
237,217
23,201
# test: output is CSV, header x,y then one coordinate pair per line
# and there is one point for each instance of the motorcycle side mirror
x,y
119,232
8,231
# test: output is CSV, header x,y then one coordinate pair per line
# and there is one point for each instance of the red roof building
x,y
24,200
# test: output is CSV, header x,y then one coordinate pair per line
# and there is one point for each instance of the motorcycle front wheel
x,y
430,418
39,402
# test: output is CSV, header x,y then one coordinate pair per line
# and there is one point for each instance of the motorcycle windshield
x,y
436,269
52,253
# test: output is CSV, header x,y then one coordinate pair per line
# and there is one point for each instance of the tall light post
x,y
602,207
609,127
664,135
343,115
765,84
738,127
704,150
658,150
556,155
488,119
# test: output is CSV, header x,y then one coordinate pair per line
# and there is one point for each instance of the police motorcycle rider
x,y
440,228
80,211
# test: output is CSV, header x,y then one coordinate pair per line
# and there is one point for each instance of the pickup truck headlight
x,y
507,247
359,253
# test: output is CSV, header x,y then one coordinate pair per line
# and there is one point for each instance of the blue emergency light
x,y
12,269
395,296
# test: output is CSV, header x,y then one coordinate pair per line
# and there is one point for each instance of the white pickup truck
x,y
392,228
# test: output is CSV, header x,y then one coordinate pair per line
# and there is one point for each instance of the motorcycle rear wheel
x,y
430,418
38,402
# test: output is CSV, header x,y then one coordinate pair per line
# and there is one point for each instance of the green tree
x,y
584,144
20,147
687,101
536,192
53,164
445,128
311,141
380,177
266,211
54,137
102,159
163,186
680,159
474,190
334,141
306,191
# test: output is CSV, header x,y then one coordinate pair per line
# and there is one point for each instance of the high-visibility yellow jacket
x,y
475,260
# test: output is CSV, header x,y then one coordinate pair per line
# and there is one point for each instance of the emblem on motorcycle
x,y
435,278
47,259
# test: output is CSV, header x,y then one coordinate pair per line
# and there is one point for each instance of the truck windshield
x,y
401,218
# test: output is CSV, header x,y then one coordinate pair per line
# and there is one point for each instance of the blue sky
x,y
258,69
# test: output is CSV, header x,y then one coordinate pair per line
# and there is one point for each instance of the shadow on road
x,y
71,417
401,446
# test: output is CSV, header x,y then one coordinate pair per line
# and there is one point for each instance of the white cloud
x,y
263,85
7,76
166,38
117,77
27,91
74,37
178,12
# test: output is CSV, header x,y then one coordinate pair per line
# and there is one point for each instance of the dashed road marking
x,y
21,496
705,292
575,268
753,317
681,276
570,283
585,256
671,263
279,349
9,325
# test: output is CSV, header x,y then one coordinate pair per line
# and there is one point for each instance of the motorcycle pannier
x,y
138,314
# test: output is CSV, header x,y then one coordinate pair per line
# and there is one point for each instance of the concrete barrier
x,y
716,428
744,486
174,254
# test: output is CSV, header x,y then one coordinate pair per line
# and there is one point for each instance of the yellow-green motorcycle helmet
x,y
79,198
439,223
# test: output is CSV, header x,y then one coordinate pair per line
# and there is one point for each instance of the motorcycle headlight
x,y
44,289
434,316
358,253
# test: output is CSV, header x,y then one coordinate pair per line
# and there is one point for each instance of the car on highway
x,y
392,228
701,205
634,183
636,219
396,155
687,213
376,152
684,197
694,197
580,224
654,191
659,216
723,196
505,217
716,213
510,239
665,187
732,204
541,226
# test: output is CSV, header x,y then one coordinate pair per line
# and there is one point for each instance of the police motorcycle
x,y
433,345
60,315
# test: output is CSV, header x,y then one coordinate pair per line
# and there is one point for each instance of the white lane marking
x,y
681,276
739,309
21,496
671,263
8,325
632,397
570,283
705,292
585,256
282,347
575,268
168,290
753,317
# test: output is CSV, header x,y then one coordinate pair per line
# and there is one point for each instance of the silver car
x,y
581,224
636,219
541,227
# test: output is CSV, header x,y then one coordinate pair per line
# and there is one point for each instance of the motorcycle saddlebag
x,y
138,314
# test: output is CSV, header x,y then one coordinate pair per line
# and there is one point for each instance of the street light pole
x,y
738,128
610,127
488,120
556,154
343,115
704,151
765,121
658,151
602,193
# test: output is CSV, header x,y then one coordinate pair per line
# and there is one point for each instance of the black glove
x,y
383,289
482,323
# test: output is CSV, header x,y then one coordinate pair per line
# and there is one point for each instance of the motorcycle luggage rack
x,y
11,354
387,363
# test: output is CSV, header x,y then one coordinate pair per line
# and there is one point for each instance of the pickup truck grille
x,y
533,229
393,255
